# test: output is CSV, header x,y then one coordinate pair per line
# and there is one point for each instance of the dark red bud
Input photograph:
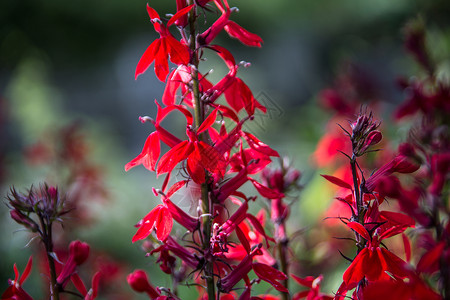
x,y
373,138
138,281
23,220
79,251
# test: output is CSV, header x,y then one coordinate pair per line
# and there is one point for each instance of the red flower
x,y
373,262
233,29
164,47
15,290
263,271
161,218
78,254
314,288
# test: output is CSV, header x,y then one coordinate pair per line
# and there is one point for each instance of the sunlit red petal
x,y
147,58
243,35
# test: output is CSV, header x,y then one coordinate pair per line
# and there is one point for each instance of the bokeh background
x,y
67,67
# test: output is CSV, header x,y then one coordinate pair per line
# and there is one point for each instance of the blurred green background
x,y
73,61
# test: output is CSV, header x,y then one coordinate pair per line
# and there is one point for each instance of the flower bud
x,y
79,251
138,281
23,220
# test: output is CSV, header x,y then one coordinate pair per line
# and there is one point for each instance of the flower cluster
x,y
216,155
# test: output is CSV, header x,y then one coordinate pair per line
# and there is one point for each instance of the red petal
x,y
211,159
265,191
407,246
225,55
179,14
179,53
259,228
161,64
172,85
393,264
243,35
147,225
354,272
271,275
359,229
208,122
178,153
337,181
372,265
152,13
27,271
164,224
307,281
95,284
259,146
149,155
429,262
164,112
147,58
79,284
243,239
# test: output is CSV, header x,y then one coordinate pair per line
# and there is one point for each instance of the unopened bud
x,y
79,251
23,220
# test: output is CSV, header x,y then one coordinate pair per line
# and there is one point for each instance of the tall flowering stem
x,y
198,119
215,161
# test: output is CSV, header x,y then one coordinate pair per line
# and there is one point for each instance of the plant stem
x,y
199,116
360,210
48,243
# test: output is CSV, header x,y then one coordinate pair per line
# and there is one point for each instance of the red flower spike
x,y
15,290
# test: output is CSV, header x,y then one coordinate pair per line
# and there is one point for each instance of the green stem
x,y
48,243
198,119
360,209
282,249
